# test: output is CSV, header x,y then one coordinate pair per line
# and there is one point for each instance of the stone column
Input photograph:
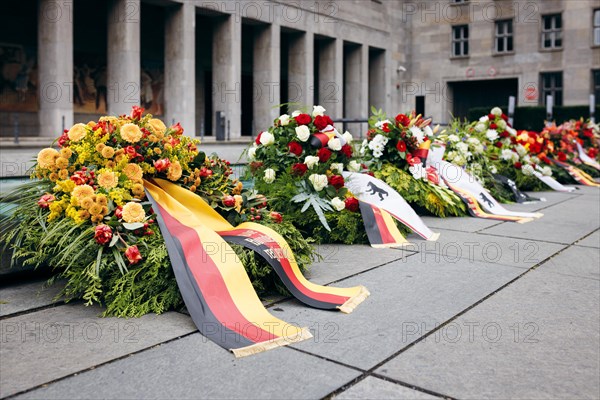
x,y
227,65
267,80
331,73
123,82
301,77
180,72
55,63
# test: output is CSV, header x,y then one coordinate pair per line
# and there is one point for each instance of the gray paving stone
x,y
562,223
407,298
452,245
375,388
463,224
195,368
578,261
536,339
341,261
19,298
551,197
592,240
49,344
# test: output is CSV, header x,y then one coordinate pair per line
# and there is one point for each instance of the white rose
x,y
484,119
512,131
269,176
354,166
338,204
319,182
334,144
501,124
428,132
462,147
311,161
296,113
473,141
348,137
459,160
267,138
493,169
453,138
303,133
497,111
506,154
417,171
527,169
478,149
284,120
318,110
521,150
491,134
546,171
480,127
339,167
252,153
417,133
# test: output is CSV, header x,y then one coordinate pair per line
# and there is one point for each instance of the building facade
x,y
224,68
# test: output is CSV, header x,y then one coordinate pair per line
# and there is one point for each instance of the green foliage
x,y
437,200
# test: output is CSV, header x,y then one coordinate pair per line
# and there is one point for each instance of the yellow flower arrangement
x,y
133,212
108,179
133,172
47,157
131,133
175,171
108,152
77,132
82,191
158,127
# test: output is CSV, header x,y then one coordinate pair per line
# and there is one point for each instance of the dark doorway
x,y
420,105
485,93
247,123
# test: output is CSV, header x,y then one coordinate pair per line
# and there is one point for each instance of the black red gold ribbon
x,y
380,227
579,175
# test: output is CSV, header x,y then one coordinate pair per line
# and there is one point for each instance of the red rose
x,y
205,172
295,148
504,134
504,117
131,152
257,140
79,178
133,254
593,152
162,165
228,201
562,156
64,138
136,112
535,148
545,160
45,200
303,119
337,181
498,144
351,204
177,129
518,165
103,234
346,150
491,117
299,169
402,120
401,146
385,128
321,122
275,216
493,126
119,212
324,154
412,160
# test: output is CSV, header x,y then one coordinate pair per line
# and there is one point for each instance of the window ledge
x,y
550,50
459,57
503,53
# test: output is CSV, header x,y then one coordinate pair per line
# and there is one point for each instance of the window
x,y
459,1
551,31
597,27
552,85
596,83
460,40
504,36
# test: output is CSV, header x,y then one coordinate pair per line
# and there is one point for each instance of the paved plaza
x,y
493,310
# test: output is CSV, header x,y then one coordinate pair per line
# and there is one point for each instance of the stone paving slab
x,y
341,261
375,388
583,262
407,298
551,198
562,223
453,245
536,339
592,240
49,344
19,298
462,224
196,368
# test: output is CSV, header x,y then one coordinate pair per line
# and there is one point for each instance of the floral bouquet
x,y
298,163
86,213
510,152
397,152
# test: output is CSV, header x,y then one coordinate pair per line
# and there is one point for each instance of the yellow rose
x,y
47,157
174,172
108,180
77,132
133,212
133,172
82,191
158,127
131,133
108,152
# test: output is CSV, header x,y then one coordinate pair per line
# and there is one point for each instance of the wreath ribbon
x,y
579,175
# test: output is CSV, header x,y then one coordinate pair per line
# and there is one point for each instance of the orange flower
x,y
133,212
158,127
108,152
82,191
77,132
131,133
47,157
108,180
133,172
174,172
